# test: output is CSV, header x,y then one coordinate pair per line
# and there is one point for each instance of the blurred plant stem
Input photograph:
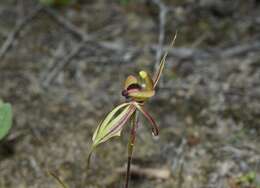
x,y
131,142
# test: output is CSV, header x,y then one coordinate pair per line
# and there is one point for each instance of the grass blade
x,y
60,182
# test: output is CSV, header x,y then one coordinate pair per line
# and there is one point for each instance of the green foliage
x,y
248,178
5,118
124,2
55,2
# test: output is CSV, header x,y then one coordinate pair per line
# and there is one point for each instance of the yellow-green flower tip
x,y
143,74
147,79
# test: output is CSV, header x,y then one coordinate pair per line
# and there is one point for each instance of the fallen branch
x,y
153,173
130,51
240,49
19,26
162,22
178,53
67,24
61,64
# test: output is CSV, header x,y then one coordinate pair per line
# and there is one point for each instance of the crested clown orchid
x,y
137,91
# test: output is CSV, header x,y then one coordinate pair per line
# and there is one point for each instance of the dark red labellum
x,y
130,88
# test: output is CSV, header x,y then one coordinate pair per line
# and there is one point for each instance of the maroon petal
x,y
152,122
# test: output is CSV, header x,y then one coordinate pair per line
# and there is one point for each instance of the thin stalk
x,y
61,183
131,143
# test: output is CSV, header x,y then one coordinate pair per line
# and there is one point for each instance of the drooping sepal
x,y
155,128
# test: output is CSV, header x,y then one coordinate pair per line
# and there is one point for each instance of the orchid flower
x,y
137,91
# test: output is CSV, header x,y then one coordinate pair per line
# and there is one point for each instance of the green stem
x,y
131,147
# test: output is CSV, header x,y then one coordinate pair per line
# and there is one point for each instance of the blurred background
x,y
62,67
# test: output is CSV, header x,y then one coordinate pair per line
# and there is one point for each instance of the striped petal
x,y
113,123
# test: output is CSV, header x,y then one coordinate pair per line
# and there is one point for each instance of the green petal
x,y
147,80
113,123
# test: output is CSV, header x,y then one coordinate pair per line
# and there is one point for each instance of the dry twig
x,y
153,173
162,22
180,53
18,28
60,65
67,24
79,34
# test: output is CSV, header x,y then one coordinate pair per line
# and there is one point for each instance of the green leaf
x,y
5,119
113,123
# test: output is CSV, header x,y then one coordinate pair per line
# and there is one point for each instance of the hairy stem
x,y
131,146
